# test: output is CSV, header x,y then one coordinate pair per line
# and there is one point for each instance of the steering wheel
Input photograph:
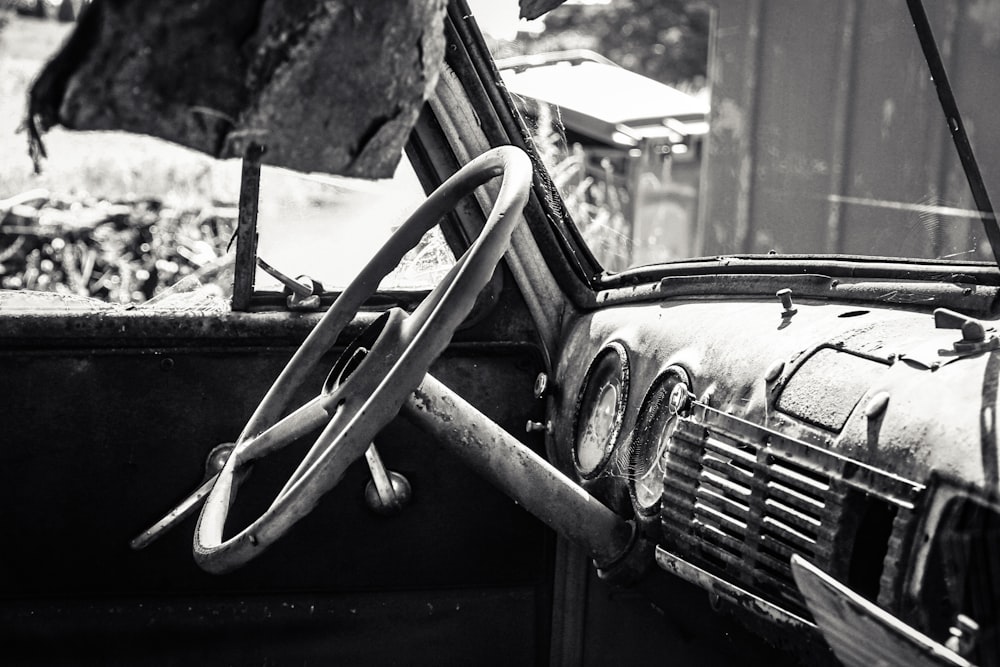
x,y
375,375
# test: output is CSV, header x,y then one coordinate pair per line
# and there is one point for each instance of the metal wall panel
x,y
826,133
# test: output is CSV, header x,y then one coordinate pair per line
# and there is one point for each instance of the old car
x,y
776,444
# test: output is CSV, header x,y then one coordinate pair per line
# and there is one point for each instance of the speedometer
x,y
600,409
647,456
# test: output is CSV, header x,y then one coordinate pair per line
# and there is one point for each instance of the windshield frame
x,y
955,124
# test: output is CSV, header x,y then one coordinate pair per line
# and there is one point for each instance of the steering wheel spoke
x,y
306,419
373,378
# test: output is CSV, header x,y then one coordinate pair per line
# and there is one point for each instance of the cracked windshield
x,y
676,130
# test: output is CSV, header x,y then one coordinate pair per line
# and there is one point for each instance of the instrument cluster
x,y
600,410
625,467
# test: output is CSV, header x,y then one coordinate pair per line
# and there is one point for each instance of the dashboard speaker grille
x,y
739,500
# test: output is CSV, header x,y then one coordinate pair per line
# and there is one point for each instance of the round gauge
x,y
599,410
648,453
649,471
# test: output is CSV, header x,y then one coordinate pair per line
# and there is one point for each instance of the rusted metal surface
x,y
520,473
246,231
952,583
750,497
862,634
726,590
870,463
326,86
822,169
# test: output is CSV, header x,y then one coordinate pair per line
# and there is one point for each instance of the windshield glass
x,y
678,130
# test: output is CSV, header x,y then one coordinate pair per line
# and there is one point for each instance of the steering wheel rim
x,y
366,388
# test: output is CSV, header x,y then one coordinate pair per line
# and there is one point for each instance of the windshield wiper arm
x,y
955,125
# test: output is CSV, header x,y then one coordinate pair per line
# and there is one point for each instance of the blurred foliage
x,y
120,252
666,40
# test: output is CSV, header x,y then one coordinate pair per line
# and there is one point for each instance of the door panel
x,y
103,434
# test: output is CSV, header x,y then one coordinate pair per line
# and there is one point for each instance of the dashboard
x,y
738,433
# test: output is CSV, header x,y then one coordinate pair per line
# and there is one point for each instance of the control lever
x,y
213,465
974,332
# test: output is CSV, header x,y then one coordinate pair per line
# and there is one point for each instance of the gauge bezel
x,y
654,417
611,362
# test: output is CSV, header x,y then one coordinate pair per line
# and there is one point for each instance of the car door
x,y
111,415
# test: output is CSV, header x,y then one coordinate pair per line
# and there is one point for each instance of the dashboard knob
x,y
785,295
534,427
679,398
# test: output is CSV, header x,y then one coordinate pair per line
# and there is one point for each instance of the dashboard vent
x,y
739,500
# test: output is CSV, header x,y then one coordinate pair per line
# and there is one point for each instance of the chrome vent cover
x,y
739,500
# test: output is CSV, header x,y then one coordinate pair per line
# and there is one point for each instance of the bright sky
x,y
496,17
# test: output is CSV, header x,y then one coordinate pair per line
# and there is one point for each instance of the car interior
x,y
744,457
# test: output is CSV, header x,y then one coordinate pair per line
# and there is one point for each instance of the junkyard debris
x,y
124,251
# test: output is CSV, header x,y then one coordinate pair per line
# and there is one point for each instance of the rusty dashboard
x,y
738,433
